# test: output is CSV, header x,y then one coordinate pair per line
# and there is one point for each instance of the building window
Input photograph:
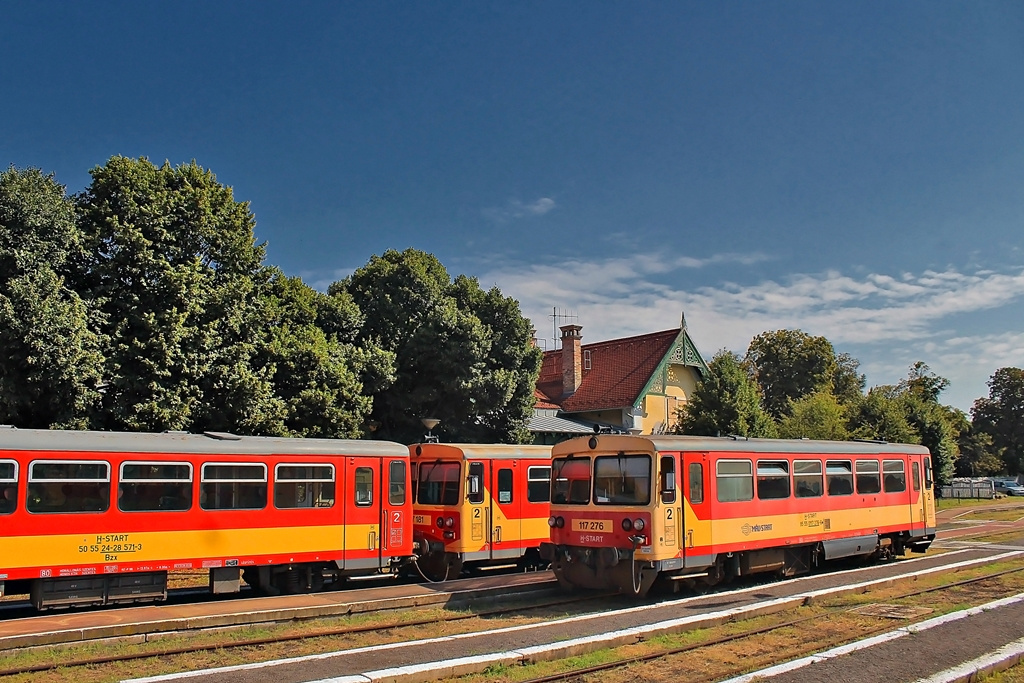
x,y
586,360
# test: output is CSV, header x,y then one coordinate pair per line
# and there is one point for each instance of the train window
x,y
696,483
668,479
807,478
867,477
396,482
772,479
928,473
152,486
304,486
839,477
622,479
734,480
438,483
68,486
570,481
474,484
538,484
364,486
9,486
894,478
504,486
233,487
916,472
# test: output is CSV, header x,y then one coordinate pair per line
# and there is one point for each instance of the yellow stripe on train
x,y
152,546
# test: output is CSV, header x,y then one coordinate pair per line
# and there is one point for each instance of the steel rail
x,y
609,666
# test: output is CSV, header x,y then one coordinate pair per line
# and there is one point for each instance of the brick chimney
x,y
572,359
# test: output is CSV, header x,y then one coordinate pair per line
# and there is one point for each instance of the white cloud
x,y
517,209
889,320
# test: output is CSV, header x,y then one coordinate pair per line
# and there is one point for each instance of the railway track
x,y
581,673
249,642
350,636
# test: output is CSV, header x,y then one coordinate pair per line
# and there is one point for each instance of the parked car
x,y
1009,487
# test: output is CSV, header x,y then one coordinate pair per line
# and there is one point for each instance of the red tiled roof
x,y
619,371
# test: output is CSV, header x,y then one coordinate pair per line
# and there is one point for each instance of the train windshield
x,y
438,483
622,480
570,481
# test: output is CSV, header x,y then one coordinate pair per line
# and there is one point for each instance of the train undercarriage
x,y
618,569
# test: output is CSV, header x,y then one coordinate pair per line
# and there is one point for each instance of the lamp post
x,y
430,423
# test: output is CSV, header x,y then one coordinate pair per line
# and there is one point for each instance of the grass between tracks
x,y
706,664
829,629
104,673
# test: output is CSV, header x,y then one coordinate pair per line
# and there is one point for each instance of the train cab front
x,y
437,520
601,522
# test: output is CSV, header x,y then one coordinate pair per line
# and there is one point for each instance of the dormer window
x,y
586,360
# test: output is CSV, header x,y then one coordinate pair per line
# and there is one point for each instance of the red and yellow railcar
x,y
628,510
93,517
479,505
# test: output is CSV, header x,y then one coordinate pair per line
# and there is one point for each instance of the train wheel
x,y
441,566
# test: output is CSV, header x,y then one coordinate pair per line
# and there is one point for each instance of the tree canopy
x,y
462,355
725,402
50,366
790,364
1000,415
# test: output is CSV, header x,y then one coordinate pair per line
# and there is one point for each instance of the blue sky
x,y
855,170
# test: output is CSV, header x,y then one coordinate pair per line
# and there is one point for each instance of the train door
x,y
394,542
696,504
506,510
361,493
670,504
928,496
478,545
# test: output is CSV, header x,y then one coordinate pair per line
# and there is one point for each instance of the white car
x,y
1009,486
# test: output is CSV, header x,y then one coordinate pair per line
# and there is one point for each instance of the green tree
x,y
1001,416
937,426
318,372
50,367
910,412
847,380
727,401
790,364
978,456
815,416
882,415
462,355
173,268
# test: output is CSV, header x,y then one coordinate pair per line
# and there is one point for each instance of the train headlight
x,y
627,525
559,522
551,522
638,524
440,522
450,522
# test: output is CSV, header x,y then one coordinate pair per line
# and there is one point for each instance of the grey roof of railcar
x,y
659,443
477,451
214,443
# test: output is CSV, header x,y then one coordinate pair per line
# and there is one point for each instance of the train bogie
x,y
714,509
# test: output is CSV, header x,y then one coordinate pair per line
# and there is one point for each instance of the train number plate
x,y
420,520
604,525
